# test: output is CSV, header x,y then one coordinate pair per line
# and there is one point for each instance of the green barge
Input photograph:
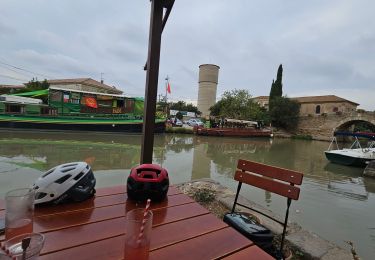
x,y
66,109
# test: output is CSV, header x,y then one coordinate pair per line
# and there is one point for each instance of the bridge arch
x,y
349,121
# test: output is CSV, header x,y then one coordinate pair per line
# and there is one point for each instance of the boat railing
x,y
333,142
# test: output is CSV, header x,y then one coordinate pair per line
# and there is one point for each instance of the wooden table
x,y
94,229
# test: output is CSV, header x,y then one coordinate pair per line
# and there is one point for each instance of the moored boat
x,y
235,128
74,110
356,155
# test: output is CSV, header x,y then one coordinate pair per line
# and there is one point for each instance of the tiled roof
x,y
261,97
85,81
321,99
314,99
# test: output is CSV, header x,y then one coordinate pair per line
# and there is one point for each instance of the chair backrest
x,y
270,178
273,179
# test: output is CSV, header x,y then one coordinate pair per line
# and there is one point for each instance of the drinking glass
x,y
32,247
137,239
19,211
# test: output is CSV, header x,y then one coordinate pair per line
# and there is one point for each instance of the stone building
x,y
84,84
317,105
262,101
330,104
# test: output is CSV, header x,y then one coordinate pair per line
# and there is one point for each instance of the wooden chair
x,y
273,179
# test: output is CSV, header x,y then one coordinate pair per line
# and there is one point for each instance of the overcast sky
x,y
326,47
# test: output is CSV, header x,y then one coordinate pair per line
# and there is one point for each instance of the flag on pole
x,y
168,88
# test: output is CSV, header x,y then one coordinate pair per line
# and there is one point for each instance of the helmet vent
x,y
78,176
63,179
47,173
67,169
69,165
40,195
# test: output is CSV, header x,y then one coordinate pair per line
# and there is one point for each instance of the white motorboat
x,y
356,155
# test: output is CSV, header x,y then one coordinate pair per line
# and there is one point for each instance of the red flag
x,y
169,88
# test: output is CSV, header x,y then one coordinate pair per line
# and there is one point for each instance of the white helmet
x,y
66,182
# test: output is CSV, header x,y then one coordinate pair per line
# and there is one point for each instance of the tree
x,y
284,112
34,85
238,104
179,115
182,106
277,86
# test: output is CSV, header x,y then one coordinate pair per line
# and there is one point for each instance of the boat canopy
x,y
35,93
356,134
22,100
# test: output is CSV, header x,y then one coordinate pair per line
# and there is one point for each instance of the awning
x,y
35,93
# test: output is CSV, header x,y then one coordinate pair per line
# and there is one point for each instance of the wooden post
x,y
152,76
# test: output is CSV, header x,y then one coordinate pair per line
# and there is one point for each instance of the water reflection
x,y
336,201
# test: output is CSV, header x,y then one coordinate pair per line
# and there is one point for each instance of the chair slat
x,y
282,189
271,171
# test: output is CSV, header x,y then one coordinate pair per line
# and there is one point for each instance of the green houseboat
x,y
67,109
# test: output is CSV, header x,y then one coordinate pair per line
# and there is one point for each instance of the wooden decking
x,y
94,229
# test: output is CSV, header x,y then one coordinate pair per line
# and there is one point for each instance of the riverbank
x,y
304,244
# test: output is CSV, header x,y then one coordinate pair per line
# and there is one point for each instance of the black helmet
x,y
67,182
148,181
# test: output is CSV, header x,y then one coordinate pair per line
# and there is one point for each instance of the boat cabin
x,y
65,102
10,104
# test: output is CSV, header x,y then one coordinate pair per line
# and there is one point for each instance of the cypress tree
x,y
278,82
276,87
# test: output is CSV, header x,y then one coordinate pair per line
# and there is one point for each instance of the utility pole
x,y
101,77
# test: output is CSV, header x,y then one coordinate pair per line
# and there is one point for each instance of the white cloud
x,y
323,45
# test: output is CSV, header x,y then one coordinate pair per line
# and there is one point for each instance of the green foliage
x,y
284,112
34,85
363,126
238,104
182,106
179,115
277,86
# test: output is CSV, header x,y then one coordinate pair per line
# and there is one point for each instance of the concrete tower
x,y
208,79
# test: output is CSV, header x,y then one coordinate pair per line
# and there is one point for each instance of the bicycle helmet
x,y
66,182
147,181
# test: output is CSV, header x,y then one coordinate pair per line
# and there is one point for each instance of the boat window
x,y
10,108
317,109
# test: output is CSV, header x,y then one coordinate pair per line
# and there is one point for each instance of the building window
x,y
317,109
335,109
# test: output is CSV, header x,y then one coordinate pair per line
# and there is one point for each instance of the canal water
x,y
336,202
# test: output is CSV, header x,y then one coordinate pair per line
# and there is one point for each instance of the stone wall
x,y
321,127
327,108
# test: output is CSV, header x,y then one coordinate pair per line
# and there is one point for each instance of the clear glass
x,y
137,246
19,212
32,252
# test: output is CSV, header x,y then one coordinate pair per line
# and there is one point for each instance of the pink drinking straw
x,y
143,221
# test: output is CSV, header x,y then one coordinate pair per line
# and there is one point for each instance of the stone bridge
x,y
321,127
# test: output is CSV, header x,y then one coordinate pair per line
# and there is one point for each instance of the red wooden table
x,y
94,229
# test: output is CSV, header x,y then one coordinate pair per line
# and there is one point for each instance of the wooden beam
x,y
152,80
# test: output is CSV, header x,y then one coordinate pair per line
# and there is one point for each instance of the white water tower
x,y
208,79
